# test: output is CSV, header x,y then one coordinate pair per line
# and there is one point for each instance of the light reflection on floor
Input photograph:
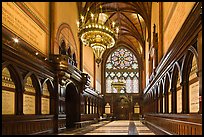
x,y
119,127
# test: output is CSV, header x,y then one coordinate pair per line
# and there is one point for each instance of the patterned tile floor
x,y
119,127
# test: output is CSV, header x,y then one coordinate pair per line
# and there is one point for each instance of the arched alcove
x,y
9,99
122,108
47,97
72,105
167,94
175,82
190,77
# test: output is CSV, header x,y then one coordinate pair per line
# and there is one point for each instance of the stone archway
x,y
72,105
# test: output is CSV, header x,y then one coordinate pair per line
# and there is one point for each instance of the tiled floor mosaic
x,y
119,127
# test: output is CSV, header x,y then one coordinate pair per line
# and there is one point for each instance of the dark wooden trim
x,y
94,68
177,124
27,124
22,52
81,55
199,47
183,40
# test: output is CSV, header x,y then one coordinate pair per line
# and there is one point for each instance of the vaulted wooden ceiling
x,y
133,18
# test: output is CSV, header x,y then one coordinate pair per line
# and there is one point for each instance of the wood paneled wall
x,y
174,74
66,85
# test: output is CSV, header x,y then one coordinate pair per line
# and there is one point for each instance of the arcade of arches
x,y
51,83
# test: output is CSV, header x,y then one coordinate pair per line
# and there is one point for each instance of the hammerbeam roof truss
x,y
133,19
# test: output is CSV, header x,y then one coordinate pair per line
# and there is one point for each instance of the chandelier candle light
x,y
96,34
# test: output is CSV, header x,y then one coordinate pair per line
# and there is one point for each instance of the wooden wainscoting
x,y
87,119
27,124
61,122
179,124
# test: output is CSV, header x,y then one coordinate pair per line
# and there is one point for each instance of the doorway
x,y
72,105
122,109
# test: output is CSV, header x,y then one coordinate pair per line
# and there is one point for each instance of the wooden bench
x,y
179,124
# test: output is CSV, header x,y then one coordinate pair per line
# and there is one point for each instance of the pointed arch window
x,y
122,65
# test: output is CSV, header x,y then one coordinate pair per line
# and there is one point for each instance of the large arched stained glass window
x,y
122,66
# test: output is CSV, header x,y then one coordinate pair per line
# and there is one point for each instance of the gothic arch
x,y
35,79
50,86
187,62
167,82
174,76
64,27
72,104
161,92
15,74
47,80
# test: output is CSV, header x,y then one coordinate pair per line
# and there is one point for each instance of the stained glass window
x,y
122,65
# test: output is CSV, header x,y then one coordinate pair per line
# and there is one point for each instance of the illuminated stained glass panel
x,y
122,65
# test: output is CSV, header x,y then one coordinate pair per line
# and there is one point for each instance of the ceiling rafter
x,y
140,37
130,34
131,29
140,25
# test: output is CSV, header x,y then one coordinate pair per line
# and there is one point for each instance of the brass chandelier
x,y
96,34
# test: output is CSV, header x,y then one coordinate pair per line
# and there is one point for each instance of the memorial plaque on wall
x,y
107,110
194,97
179,101
8,102
17,21
28,104
136,108
45,106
